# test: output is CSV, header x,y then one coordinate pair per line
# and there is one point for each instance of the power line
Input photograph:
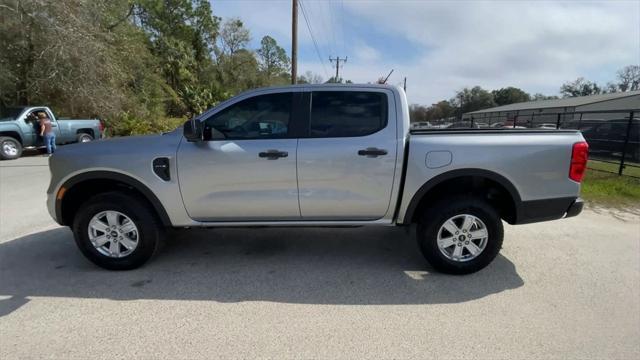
x,y
333,25
342,23
315,43
321,23
294,42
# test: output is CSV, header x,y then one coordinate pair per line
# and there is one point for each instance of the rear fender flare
x,y
439,179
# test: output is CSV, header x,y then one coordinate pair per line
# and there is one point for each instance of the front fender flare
x,y
110,175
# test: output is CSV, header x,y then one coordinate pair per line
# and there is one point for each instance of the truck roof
x,y
363,86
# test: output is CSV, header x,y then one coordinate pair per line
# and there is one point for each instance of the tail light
x,y
579,157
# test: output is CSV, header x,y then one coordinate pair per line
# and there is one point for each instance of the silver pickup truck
x,y
316,155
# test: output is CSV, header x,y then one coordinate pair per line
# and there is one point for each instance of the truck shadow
x,y
364,266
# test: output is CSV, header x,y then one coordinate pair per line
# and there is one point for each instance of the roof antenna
x,y
387,78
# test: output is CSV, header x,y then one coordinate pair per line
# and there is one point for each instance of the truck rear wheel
x,y
460,235
117,231
84,137
10,148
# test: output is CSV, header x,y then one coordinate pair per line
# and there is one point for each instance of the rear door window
x,y
347,113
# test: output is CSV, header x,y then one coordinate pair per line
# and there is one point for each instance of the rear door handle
x,y
273,154
372,152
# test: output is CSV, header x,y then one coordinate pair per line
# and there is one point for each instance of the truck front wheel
x,y
117,231
460,235
10,148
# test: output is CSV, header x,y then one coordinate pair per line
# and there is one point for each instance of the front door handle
x,y
372,152
273,154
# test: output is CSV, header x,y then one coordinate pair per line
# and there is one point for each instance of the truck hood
x,y
147,145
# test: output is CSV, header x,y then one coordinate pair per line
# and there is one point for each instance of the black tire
x,y
150,230
435,217
10,148
84,137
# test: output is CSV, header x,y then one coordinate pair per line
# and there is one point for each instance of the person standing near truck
x,y
46,131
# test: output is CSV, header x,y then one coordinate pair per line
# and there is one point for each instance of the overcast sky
x,y
443,46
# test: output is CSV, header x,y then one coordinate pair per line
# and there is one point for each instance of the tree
x,y
51,56
339,80
234,36
509,95
310,78
181,35
236,66
579,87
473,99
417,113
629,78
539,96
273,59
441,110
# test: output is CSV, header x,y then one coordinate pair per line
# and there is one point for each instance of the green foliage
x,y
627,79
339,80
127,124
273,59
509,95
310,78
539,96
137,63
441,110
473,99
579,87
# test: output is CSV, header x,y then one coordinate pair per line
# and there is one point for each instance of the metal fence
x,y
613,135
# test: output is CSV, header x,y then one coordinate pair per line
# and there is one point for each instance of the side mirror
x,y
192,130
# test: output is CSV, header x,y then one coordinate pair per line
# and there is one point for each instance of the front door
x,y
245,170
347,162
32,126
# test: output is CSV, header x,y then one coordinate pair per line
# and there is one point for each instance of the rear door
x,y
251,174
346,162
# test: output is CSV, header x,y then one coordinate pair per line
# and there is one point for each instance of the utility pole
x,y
337,60
294,42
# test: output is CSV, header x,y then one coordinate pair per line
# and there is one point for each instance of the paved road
x,y
564,289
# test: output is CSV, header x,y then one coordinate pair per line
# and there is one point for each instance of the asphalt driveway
x,y
562,289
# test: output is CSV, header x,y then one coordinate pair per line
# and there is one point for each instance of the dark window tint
x,y
347,113
259,117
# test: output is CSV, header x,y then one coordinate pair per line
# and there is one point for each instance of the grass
x,y
605,166
610,189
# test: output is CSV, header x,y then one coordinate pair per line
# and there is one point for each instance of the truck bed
x,y
534,163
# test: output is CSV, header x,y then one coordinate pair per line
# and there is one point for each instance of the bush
x,y
127,124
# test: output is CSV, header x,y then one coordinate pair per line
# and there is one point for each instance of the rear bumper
x,y
548,209
575,208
